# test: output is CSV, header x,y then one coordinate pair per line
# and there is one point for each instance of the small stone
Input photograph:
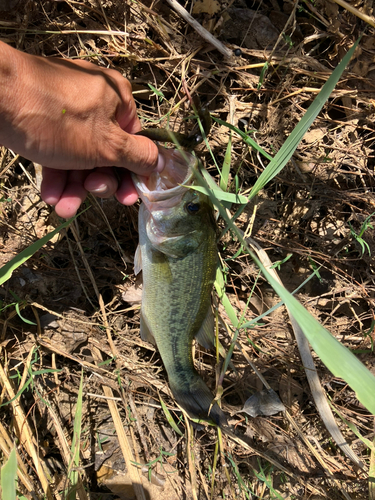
x,y
49,321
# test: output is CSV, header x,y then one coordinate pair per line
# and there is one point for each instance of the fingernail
x,y
100,189
161,163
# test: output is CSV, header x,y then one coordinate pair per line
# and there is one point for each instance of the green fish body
x,y
178,256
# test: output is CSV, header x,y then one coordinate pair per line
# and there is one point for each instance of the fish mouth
x,y
171,183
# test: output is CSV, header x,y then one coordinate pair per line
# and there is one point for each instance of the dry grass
x,y
81,291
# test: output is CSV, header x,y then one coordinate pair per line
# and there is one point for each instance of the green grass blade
x,y
355,431
8,478
220,290
76,442
257,319
224,179
23,388
291,143
244,136
17,306
7,270
286,151
262,75
221,195
157,92
169,417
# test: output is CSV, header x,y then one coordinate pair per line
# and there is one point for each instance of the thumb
x,y
138,154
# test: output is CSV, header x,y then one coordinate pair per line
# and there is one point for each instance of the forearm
x,y
31,102
11,63
25,106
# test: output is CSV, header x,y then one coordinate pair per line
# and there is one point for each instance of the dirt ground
x,y
313,212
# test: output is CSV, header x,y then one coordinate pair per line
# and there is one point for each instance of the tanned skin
x,y
77,120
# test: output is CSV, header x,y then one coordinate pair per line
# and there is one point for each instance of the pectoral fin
x,y
138,260
145,332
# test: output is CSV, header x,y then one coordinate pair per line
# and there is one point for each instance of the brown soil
x,y
307,211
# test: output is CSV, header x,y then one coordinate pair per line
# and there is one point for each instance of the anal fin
x,y
206,334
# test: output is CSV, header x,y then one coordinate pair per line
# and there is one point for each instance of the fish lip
x,y
178,172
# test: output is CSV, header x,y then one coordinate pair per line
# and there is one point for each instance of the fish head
x,y
176,217
179,230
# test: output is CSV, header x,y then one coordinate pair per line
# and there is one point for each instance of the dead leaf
x,y
133,295
209,7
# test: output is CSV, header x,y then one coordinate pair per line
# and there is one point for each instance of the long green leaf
x,y
337,358
17,306
169,417
220,290
371,474
286,151
76,443
23,388
223,196
9,477
226,165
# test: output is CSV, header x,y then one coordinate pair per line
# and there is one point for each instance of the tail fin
x,y
196,398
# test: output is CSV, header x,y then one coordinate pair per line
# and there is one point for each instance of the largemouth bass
x,y
178,255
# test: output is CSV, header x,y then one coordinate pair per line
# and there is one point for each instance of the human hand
x,y
78,121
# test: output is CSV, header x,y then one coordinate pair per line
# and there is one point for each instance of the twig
x,y
206,35
191,457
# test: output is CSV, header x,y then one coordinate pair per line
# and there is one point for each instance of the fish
x,y
177,253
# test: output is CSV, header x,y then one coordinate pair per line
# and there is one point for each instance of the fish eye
x,y
192,208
